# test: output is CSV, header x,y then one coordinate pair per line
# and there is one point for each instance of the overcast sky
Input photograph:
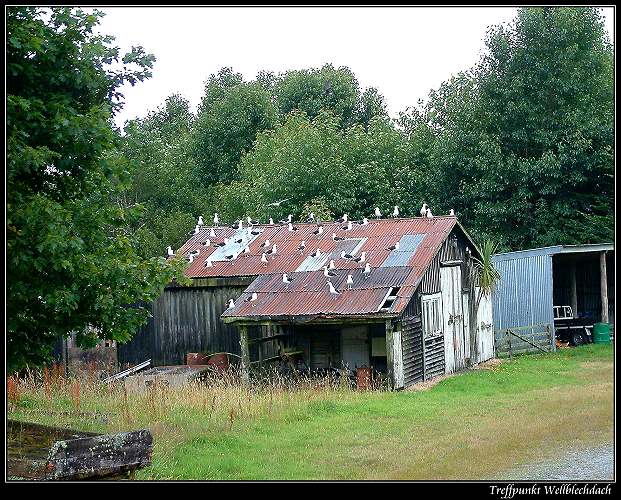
x,y
404,52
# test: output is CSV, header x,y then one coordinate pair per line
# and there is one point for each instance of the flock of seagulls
x,y
271,249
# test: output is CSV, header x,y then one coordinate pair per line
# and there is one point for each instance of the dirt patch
x,y
490,364
428,384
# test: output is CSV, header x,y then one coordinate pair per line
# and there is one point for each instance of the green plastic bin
x,y
601,333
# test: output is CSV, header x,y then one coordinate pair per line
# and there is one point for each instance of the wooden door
x,y
450,285
355,347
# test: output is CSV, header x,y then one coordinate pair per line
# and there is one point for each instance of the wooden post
x,y
245,355
389,355
573,289
603,286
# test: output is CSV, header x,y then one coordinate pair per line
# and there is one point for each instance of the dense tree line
x,y
521,145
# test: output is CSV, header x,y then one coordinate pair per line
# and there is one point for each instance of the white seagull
x,y
423,210
302,246
429,214
328,274
247,250
395,212
169,251
271,221
367,270
378,214
332,289
286,279
393,247
212,233
265,244
452,213
231,303
207,242
252,298
216,221
350,281
200,220
264,259
361,258
365,221
318,253
208,263
331,266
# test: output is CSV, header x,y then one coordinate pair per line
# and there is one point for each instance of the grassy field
x,y
469,426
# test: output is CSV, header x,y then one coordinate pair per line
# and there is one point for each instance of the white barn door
x,y
485,329
450,285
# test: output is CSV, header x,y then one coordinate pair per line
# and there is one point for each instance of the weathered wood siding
x,y
185,319
434,357
412,340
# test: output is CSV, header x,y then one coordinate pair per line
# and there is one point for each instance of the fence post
x,y
509,340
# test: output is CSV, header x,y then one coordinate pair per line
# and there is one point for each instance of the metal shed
x,y
534,281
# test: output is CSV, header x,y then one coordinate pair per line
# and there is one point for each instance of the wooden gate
x,y
524,339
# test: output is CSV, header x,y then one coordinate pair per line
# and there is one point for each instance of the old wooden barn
x,y
411,317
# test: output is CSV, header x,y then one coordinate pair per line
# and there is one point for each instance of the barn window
x,y
432,315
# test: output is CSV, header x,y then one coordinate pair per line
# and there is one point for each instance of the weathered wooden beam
x,y
390,368
603,284
245,353
573,288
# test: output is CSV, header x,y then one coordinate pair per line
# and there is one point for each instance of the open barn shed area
x,y
558,293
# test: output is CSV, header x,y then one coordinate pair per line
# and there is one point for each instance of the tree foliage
x,y
70,262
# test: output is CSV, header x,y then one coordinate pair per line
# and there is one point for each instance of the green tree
x,y
71,264
231,114
523,144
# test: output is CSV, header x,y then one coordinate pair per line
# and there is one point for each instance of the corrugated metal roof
x,y
373,239
308,293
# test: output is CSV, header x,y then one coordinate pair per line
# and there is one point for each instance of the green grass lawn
x,y
469,426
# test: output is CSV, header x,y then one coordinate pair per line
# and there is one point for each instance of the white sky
x,y
404,52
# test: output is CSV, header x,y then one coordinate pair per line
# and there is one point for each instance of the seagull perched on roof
x,y
348,227
231,304
190,258
208,263
318,253
393,247
302,246
311,217
231,257
331,265
200,221
216,220
239,240
343,219
194,252
253,232
378,214
429,214
423,210
395,212
367,270
337,238
247,250
265,244
452,213
361,258
196,230
273,250
169,251
332,289
252,222
264,258
327,273
346,255
350,281
252,298
319,230
292,227
271,221
286,279
288,220
365,221
212,233
207,242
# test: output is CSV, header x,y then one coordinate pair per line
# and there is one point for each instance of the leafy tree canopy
x,y
70,261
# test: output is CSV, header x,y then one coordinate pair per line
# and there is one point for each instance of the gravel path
x,y
584,463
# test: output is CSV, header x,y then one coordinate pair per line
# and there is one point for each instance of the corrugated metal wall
x,y
184,320
524,295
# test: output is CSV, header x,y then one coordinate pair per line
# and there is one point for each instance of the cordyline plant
x,y
486,278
